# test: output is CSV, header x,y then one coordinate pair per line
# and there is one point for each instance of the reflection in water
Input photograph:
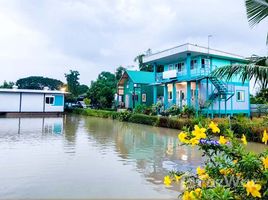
x,y
84,157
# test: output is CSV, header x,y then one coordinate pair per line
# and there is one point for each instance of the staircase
x,y
221,90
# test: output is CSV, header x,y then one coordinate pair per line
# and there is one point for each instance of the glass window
x,y
193,64
240,95
171,67
49,100
180,66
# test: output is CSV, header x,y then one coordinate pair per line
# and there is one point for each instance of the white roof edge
x,y
32,91
191,48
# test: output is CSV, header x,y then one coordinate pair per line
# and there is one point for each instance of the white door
x,y
127,101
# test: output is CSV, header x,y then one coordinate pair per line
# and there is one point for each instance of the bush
x,y
123,116
143,109
188,111
173,110
229,170
143,119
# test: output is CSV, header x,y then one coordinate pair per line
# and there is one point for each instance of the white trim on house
x,y
189,48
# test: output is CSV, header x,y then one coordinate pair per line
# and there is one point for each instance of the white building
x,y
31,101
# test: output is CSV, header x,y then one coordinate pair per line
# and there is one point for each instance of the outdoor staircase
x,y
221,91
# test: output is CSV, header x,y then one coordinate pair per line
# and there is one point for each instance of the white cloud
x,y
50,37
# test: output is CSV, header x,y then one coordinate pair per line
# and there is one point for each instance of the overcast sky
x,y
50,37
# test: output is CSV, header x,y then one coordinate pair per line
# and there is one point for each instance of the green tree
x,y
7,85
82,89
257,10
142,66
73,82
119,72
38,83
101,92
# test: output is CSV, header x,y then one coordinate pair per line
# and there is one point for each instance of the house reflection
x,y
153,151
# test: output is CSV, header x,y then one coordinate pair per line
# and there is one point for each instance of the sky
x,y
50,37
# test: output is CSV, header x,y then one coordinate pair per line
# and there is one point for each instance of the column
x,y
174,96
196,97
155,69
155,94
165,96
189,95
188,65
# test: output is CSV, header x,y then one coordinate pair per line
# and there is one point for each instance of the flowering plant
x,y
229,171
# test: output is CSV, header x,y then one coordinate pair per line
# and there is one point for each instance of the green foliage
x,y
142,66
124,116
173,110
7,85
38,83
87,101
143,119
73,82
101,91
82,89
143,109
229,170
156,108
188,111
119,72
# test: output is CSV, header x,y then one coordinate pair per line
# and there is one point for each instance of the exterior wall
x,y
9,102
32,102
57,106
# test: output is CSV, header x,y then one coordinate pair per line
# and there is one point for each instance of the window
x,y
180,66
193,64
170,95
240,95
143,98
49,100
171,67
205,62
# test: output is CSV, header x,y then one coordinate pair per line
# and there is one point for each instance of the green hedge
x,y
253,129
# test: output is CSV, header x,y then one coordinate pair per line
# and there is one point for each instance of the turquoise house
x,y
135,88
182,76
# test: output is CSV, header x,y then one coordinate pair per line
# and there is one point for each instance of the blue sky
x,y
50,37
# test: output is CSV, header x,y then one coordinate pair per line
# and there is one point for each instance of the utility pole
x,y
209,36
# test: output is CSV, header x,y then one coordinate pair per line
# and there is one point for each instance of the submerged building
x,y
31,101
182,76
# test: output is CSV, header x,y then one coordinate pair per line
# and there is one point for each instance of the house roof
x,y
32,91
181,51
139,77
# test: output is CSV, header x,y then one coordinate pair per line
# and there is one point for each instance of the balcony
x,y
196,73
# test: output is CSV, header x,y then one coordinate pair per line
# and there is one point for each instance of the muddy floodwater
x,y
76,157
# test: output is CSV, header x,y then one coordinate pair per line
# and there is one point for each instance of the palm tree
x,y
257,68
257,10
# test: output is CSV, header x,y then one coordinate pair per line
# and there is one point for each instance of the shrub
x,y
143,119
188,111
124,116
229,170
173,110
143,109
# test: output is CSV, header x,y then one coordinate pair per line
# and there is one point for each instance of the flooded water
x,y
77,157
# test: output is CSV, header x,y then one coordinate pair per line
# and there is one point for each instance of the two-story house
x,y
182,76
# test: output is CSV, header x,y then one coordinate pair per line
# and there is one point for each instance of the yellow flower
x,y
265,162
167,181
199,132
244,139
194,141
253,189
186,196
200,171
214,127
177,178
182,137
222,140
203,177
223,171
235,161
265,137
195,194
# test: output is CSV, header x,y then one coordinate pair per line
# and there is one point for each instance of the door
x,y
127,101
